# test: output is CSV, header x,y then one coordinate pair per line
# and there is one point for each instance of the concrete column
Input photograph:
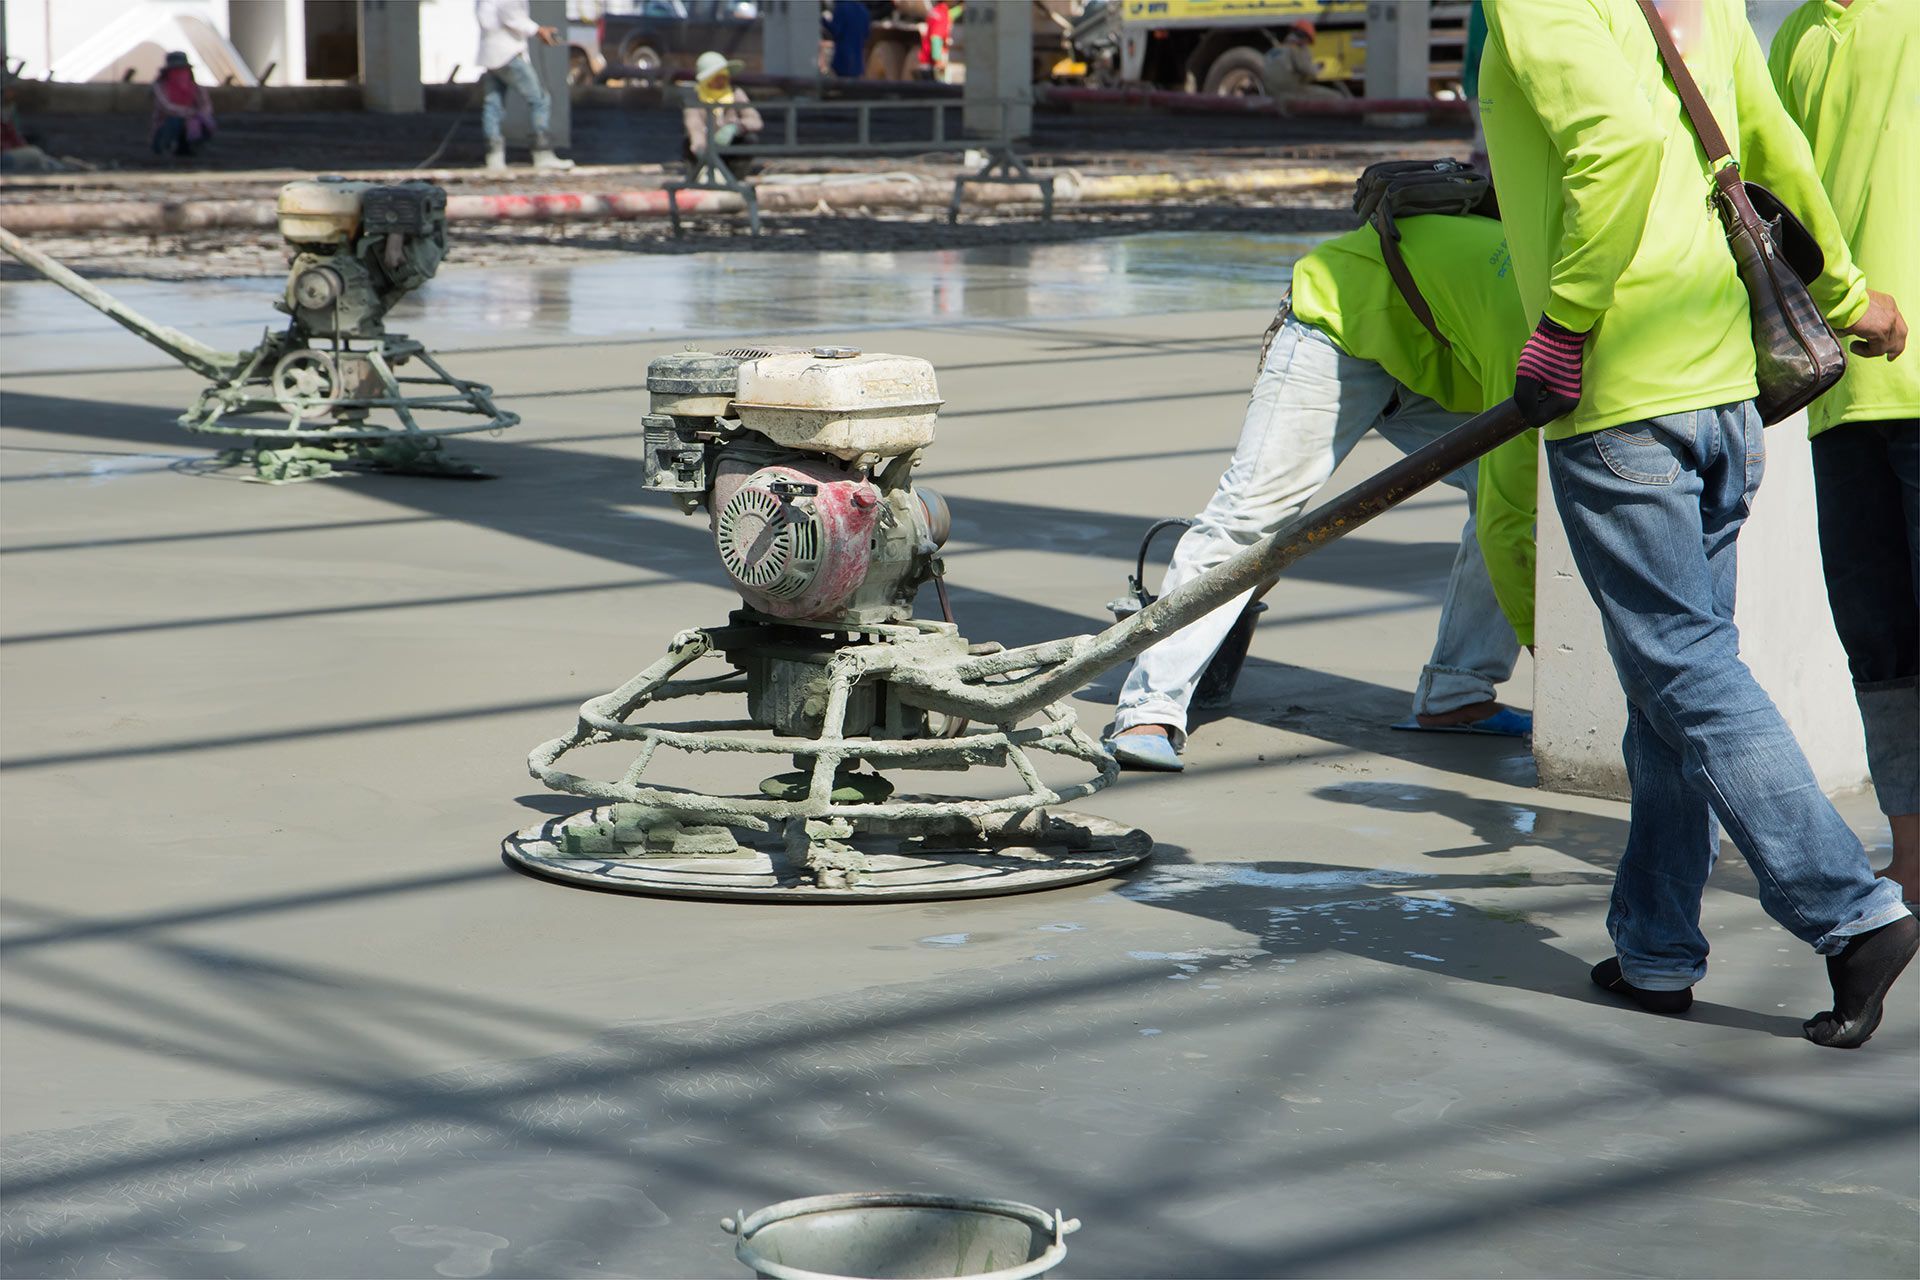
x,y
1786,637
390,56
1397,52
997,42
790,31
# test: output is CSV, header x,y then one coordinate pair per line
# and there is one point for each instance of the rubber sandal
x,y
1147,752
1504,723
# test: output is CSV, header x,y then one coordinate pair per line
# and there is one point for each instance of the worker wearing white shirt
x,y
505,28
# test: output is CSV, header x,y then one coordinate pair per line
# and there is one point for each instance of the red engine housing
x,y
797,539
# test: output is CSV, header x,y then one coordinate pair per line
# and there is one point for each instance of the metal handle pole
x,y
1218,586
191,352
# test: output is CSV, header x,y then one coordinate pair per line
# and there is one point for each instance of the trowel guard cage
x,y
997,844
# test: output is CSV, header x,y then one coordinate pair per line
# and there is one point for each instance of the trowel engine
x,y
358,248
802,461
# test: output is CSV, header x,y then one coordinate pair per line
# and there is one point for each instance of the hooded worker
x,y
182,109
718,101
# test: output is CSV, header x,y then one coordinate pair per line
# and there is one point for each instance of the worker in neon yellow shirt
x,y
1347,355
1641,371
1848,72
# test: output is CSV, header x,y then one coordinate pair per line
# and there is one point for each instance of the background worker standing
x,y
1641,369
505,28
1848,72
848,25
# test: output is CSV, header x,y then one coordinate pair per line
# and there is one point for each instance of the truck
x,y
1220,46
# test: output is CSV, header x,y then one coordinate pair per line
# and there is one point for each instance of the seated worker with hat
x,y
1347,355
735,122
182,109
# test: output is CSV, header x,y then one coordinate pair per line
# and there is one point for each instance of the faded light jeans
x,y
520,76
1652,512
1311,405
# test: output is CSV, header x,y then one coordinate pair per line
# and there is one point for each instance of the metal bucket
x,y
881,1235
1215,688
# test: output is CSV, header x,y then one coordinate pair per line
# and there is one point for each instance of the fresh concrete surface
x,y
274,1007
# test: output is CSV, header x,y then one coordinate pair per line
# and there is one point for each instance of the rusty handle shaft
x,y
191,352
1246,571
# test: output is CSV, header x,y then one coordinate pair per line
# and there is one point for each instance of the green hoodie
x,y
1462,269
1851,77
1604,192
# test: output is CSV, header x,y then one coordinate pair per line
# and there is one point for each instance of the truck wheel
x,y
579,67
1240,72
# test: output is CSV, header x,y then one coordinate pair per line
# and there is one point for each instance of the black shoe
x,y
1606,975
1861,975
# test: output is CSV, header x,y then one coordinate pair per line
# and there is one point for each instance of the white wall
x,y
62,36
70,35
272,36
1786,637
449,39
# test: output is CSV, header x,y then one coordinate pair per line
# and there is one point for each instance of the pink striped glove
x,y
1546,384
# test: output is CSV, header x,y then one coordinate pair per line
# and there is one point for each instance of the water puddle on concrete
x,y
1168,883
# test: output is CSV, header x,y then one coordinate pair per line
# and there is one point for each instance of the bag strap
x,y
1403,278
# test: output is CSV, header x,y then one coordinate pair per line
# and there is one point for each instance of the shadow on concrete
x,y
916,1085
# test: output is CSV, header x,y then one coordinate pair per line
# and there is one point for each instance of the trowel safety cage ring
x,y
1052,1227
603,720
249,390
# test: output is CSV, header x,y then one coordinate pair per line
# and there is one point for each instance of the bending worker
x,y
1347,355
1642,370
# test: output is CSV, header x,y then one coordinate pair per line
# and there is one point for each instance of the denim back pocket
x,y
1642,455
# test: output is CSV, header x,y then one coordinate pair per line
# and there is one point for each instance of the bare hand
x,y
1882,331
548,36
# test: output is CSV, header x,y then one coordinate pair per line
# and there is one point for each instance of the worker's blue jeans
x,y
520,76
1653,510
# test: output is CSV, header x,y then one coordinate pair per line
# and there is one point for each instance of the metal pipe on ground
x,y
901,191
1224,105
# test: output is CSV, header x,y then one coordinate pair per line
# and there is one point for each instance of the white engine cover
x,y
850,406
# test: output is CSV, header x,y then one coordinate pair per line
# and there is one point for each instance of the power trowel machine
x,y
333,374
825,691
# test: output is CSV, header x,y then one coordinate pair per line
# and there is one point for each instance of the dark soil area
x,y
321,142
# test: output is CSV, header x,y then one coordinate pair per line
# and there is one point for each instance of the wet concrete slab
x,y
274,1008
627,297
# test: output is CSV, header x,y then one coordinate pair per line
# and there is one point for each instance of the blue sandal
x,y
1147,752
1504,723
